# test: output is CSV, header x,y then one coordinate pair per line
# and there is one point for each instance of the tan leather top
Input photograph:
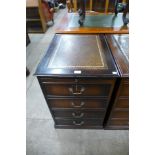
x,y
76,51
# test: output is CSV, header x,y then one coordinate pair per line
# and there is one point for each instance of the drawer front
x,y
124,88
77,90
119,122
120,114
51,80
122,103
76,80
78,114
77,103
79,123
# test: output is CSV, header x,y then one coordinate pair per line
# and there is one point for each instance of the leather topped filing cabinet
x,y
77,76
119,112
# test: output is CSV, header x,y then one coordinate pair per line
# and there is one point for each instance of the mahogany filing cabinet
x,y
118,117
78,76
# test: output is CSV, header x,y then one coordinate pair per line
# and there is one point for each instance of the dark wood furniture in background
x,y
102,24
118,117
104,6
36,22
77,77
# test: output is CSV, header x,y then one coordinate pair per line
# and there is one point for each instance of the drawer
x,y
124,88
122,103
77,90
120,114
119,122
78,114
79,123
92,103
51,80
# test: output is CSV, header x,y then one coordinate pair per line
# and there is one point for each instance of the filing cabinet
x,y
118,117
77,76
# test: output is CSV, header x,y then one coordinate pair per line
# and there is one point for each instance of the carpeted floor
x,y
42,138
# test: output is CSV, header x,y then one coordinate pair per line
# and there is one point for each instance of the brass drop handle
x,y
78,106
78,124
77,93
77,116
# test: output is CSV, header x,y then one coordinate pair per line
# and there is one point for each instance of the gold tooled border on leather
x,y
102,58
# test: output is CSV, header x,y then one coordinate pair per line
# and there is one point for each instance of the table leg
x,y
82,12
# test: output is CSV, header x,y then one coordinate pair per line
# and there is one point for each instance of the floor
x,y
42,138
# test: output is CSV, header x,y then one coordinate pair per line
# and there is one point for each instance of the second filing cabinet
x,y
119,109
